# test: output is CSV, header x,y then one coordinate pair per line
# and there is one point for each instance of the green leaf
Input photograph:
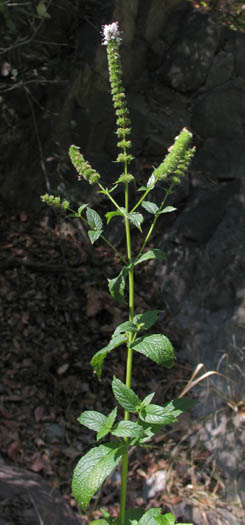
x,y
148,399
168,209
117,286
167,519
157,347
151,207
151,254
111,214
148,319
131,516
128,429
94,235
92,420
123,328
157,415
94,219
151,182
166,414
110,419
125,396
149,518
80,209
92,470
136,219
42,10
98,359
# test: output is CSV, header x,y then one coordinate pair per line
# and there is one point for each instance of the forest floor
x,y
55,313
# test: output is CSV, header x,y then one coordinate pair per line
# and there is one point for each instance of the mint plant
x,y
142,418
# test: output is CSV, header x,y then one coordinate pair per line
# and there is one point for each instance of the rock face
x,y
27,498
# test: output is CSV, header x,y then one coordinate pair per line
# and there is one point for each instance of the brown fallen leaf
x,y
94,304
14,450
38,413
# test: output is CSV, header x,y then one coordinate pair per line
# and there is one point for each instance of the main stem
x,y
129,361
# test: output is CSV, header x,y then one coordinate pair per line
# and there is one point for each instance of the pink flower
x,y
111,32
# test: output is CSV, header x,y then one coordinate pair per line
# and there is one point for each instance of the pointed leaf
x,y
94,219
151,254
148,319
107,426
168,209
123,328
80,209
136,219
94,235
92,470
149,518
125,396
127,429
157,415
166,414
167,519
117,286
110,214
148,399
98,359
151,207
93,420
157,347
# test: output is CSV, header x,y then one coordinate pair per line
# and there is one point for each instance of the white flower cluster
x,y
111,32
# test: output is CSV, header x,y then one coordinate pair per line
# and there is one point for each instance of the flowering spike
x,y
111,32
177,160
112,40
82,166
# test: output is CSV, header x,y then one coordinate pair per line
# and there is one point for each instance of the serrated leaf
x,y
117,286
110,214
147,319
151,207
94,235
127,429
98,359
106,428
94,219
166,414
156,414
149,518
151,254
168,209
125,396
167,519
92,420
136,219
148,399
92,470
122,328
156,347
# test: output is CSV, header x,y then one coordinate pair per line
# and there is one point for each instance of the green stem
x,y
129,358
141,199
154,221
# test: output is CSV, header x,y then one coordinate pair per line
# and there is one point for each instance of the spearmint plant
x,y
142,418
